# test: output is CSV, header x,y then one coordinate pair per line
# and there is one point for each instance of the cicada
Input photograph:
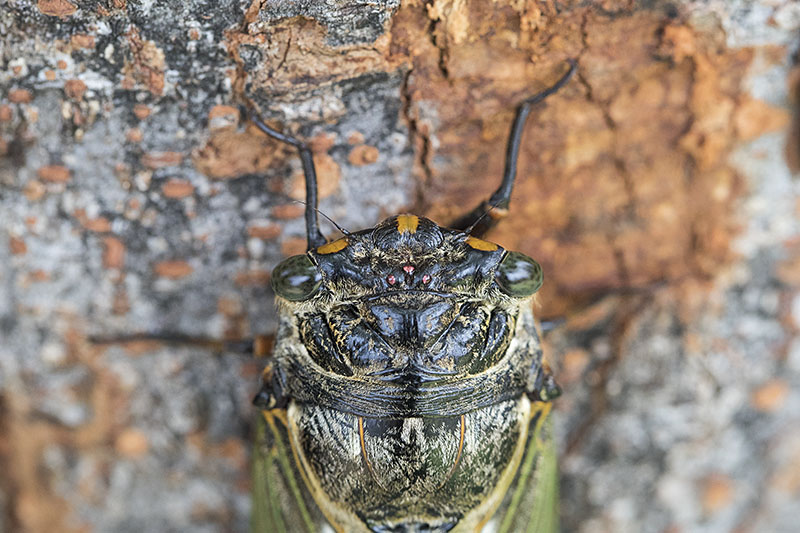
x,y
406,391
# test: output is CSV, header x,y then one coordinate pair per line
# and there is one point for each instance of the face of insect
x,y
404,353
406,253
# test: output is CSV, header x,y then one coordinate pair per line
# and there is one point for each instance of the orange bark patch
x,y
38,276
134,135
223,117
755,117
156,160
75,89
34,190
6,114
229,306
176,188
363,155
323,142
788,271
17,246
770,396
20,96
140,347
80,40
574,363
229,154
141,111
234,451
678,42
252,278
132,443
173,269
268,232
99,225
355,138
717,493
293,246
146,64
56,8
287,211
54,174
113,253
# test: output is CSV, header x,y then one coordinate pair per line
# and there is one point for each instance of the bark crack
x,y
233,40
436,42
282,62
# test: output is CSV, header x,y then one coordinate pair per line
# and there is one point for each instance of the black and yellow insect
x,y
406,391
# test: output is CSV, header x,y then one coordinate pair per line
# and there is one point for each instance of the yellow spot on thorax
x,y
407,223
480,244
332,247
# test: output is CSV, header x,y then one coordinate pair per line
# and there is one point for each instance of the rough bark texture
x,y
655,189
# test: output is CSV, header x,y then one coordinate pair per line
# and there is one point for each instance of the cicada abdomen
x,y
407,391
282,501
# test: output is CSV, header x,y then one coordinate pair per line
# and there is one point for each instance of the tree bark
x,y
654,189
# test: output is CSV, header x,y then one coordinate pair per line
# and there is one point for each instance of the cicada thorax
x,y
408,370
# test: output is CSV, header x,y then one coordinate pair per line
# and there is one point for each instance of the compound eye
x,y
518,275
296,278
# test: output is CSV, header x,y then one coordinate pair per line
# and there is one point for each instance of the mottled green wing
x,y
281,503
531,506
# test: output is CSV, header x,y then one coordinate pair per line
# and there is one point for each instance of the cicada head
x,y
407,254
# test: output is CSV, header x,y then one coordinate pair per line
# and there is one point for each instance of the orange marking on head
x,y
332,247
480,244
407,223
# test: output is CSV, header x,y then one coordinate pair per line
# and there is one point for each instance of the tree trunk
x,y
655,189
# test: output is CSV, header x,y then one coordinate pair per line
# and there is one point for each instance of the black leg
x,y
258,346
482,218
313,234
